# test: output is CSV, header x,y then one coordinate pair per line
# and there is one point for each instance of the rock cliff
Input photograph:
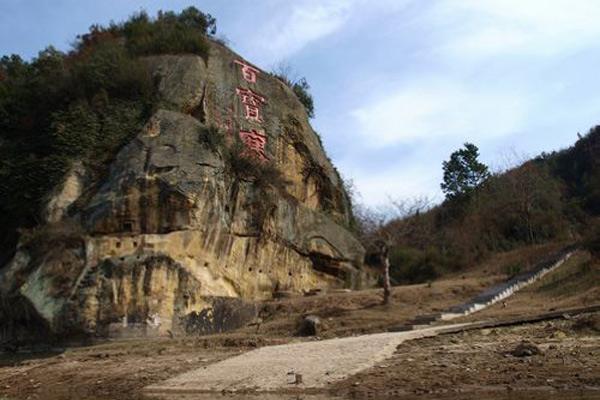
x,y
225,194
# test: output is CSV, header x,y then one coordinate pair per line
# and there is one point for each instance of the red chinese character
x,y
252,102
252,113
248,72
249,97
255,141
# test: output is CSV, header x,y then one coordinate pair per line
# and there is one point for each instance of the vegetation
x,y
592,242
168,33
81,105
299,86
552,198
463,173
301,89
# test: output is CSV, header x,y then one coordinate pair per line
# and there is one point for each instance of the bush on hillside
x,y
592,241
168,33
299,86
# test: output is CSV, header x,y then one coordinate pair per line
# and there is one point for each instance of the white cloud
x,y
299,23
293,28
399,183
532,27
425,112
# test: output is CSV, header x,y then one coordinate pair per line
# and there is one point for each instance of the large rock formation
x,y
179,224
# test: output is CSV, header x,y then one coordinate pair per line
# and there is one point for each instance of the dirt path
x,y
310,365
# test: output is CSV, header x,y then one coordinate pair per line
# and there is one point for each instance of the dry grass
x,y
575,284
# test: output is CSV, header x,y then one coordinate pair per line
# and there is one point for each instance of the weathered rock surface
x,y
147,250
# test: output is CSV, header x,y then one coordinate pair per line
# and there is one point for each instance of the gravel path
x,y
276,368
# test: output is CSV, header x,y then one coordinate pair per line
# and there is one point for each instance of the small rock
x,y
526,349
294,378
560,335
485,332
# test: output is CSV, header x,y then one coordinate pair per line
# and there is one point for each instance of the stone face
x,y
172,227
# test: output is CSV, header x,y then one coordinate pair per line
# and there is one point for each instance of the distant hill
x,y
552,198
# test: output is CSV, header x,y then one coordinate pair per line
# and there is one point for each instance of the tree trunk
x,y
384,262
386,280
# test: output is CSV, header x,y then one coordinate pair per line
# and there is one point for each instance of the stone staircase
x,y
492,295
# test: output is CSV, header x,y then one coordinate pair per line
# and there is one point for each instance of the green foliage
x,y
463,172
524,205
301,89
83,105
409,265
299,86
553,198
513,269
168,33
578,168
592,241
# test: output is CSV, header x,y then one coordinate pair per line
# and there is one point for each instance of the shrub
x,y
266,179
299,86
512,270
168,33
414,266
244,165
592,241
301,90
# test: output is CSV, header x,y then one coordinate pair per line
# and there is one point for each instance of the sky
x,y
398,84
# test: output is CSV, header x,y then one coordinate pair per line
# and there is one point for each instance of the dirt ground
x,y
119,370
469,362
483,361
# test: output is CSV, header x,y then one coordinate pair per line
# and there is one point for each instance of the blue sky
x,y
398,84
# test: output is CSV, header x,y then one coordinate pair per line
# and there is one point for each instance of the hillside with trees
x,y
553,198
84,104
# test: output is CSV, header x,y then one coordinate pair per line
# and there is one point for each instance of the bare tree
x,y
404,221
383,262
